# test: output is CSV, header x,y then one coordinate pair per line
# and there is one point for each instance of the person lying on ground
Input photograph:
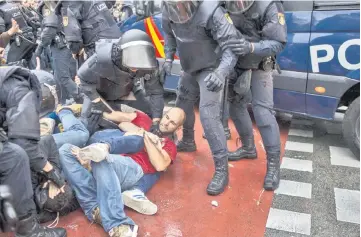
x,y
153,161
99,186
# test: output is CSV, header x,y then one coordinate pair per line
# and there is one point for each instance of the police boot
x,y
272,178
187,144
29,227
220,178
247,151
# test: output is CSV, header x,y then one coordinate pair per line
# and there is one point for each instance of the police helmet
x,y
237,7
181,11
137,51
50,92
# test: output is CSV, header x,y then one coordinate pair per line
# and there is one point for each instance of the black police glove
x,y
240,47
38,51
166,70
55,176
93,120
100,106
75,47
214,81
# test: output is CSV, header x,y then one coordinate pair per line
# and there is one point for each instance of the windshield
x,y
148,8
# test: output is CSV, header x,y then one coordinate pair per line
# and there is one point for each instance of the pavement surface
x,y
318,194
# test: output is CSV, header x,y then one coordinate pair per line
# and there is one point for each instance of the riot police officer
x,y
19,100
85,22
265,34
63,62
115,68
21,45
198,30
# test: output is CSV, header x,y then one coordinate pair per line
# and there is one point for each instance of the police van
x,y
320,64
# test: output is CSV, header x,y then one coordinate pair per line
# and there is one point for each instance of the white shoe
x,y
136,200
95,152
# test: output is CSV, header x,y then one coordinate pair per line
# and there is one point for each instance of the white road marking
x,y
300,132
296,189
343,157
289,221
299,146
347,205
296,164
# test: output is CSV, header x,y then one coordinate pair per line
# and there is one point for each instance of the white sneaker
x,y
136,200
95,152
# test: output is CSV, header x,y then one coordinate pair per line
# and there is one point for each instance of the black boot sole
x,y
248,157
271,188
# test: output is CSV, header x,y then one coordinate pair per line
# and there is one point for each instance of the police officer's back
x,y
85,22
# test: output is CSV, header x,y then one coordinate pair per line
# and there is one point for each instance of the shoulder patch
x,y
65,21
228,18
281,18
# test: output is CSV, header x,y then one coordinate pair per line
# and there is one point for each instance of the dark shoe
x,y
247,151
183,146
220,178
272,178
29,227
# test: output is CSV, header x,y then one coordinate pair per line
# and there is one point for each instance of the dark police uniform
x,y
263,25
198,30
64,65
106,73
85,22
21,46
20,97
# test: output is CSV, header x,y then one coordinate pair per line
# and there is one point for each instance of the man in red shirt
x,y
116,177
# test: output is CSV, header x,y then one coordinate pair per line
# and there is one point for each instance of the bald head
x,y
172,120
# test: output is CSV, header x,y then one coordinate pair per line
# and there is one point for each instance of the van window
x,y
336,5
294,6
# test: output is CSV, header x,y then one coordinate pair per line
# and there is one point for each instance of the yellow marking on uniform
x,y
281,18
65,20
155,38
228,18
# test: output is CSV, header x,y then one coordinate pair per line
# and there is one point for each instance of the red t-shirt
x,y
143,121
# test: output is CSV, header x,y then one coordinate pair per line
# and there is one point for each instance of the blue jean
x,y
103,187
120,144
74,133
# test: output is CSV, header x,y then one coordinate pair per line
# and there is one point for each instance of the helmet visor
x,y
139,55
51,5
181,11
239,6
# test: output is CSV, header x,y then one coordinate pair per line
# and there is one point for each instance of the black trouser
x,y
15,172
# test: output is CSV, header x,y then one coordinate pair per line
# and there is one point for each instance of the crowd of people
x,y
91,131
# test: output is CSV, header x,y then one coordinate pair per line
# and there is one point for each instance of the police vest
x,y
98,23
250,25
196,47
114,83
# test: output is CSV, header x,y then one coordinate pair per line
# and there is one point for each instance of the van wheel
x,y
351,127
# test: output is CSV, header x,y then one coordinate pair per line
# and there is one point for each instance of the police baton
x,y
224,99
